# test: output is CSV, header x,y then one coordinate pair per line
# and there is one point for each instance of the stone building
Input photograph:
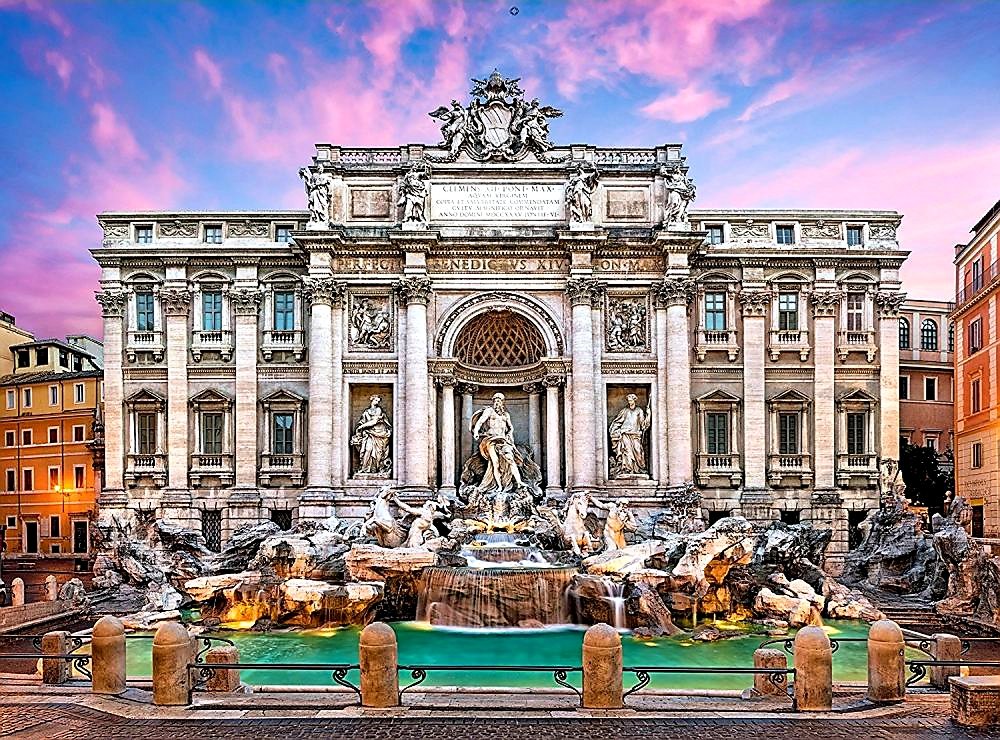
x,y
977,428
927,375
288,364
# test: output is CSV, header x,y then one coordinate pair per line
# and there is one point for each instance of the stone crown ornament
x,y
498,125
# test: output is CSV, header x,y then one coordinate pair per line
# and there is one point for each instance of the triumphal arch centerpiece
x,y
499,319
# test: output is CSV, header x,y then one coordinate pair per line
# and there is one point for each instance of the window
x,y
284,310
283,518
929,334
975,335
715,234
25,437
11,486
211,433
144,234
79,394
211,311
26,402
79,477
55,548
283,233
28,479
855,311
856,438
715,311
11,521
717,433
977,273
11,399
791,516
78,432
144,311
930,389
788,434
146,433
23,358
788,311
63,358
784,233
53,395
54,526
211,529
975,396
977,454
853,236
77,363
904,333
53,435
213,235
283,440
9,438
951,336
54,479
931,442
42,356
904,387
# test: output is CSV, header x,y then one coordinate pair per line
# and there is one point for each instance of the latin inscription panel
x,y
497,202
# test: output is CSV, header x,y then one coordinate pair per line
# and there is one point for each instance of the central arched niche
x,y
499,338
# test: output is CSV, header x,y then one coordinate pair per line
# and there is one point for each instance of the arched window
x,y
904,333
499,339
929,334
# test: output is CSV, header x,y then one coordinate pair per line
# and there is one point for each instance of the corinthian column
x,y
825,304
113,311
676,294
246,307
416,293
447,384
583,292
553,448
888,347
176,304
322,292
755,304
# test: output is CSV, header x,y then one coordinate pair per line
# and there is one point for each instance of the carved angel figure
x,y
318,190
453,128
413,193
680,192
579,193
530,125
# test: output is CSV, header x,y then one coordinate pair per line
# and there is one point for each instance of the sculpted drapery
x,y
371,438
627,432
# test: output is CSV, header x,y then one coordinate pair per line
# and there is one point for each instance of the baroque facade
x,y
288,364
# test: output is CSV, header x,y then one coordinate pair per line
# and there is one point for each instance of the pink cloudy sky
x,y
119,106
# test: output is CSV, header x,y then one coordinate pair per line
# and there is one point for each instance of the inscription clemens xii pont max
x,y
451,201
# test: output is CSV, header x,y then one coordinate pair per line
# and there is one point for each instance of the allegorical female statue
x,y
627,433
493,429
318,191
371,438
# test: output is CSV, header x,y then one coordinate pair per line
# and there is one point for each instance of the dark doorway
x,y
791,516
80,544
31,536
282,517
211,529
977,521
714,516
854,519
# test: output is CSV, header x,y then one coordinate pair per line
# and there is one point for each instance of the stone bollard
x,y
51,588
379,660
946,647
886,663
17,592
107,648
602,668
55,670
813,659
768,658
223,679
171,655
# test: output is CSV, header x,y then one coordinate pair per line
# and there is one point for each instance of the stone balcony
x,y
852,467
213,467
220,341
789,340
281,469
143,467
721,470
290,340
789,470
723,340
856,341
144,341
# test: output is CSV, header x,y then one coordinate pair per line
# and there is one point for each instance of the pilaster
x,y
825,306
246,307
113,311
676,292
176,302
888,304
755,305
415,292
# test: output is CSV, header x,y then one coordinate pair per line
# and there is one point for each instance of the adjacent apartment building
x,y
927,375
977,428
49,406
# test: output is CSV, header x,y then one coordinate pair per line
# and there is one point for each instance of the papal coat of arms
x,y
498,124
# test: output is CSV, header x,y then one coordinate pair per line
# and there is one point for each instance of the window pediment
x,y
211,397
282,399
791,398
146,398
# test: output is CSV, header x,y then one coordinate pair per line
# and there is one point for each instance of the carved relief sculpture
x,y
371,325
579,193
750,231
628,431
680,192
413,193
371,439
626,324
319,188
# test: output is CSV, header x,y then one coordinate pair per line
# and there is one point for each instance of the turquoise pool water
x,y
421,644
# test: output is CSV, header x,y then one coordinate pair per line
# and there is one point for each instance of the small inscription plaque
x,y
496,202
369,203
628,204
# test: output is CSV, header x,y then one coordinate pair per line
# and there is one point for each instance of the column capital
x,y
673,291
889,303
585,290
755,302
415,289
532,388
825,303
445,380
112,303
324,289
175,301
245,301
467,388
552,381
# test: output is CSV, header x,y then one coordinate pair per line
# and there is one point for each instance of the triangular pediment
x,y
144,395
210,395
789,396
857,394
283,396
718,396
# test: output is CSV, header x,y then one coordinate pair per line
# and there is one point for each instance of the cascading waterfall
x,y
614,594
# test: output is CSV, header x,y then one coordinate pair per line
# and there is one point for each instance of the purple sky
x,y
138,105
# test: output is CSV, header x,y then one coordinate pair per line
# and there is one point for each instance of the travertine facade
x,y
243,348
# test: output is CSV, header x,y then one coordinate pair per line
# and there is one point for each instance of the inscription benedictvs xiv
x,y
492,202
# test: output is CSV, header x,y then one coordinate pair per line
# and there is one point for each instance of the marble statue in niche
x,y
318,191
371,439
492,428
579,193
413,193
371,326
626,324
628,431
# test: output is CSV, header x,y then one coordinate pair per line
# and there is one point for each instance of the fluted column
x,y
416,293
321,291
888,346
755,304
534,391
660,467
582,293
246,307
337,407
176,304
113,311
825,305
468,391
553,444
447,385
676,293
